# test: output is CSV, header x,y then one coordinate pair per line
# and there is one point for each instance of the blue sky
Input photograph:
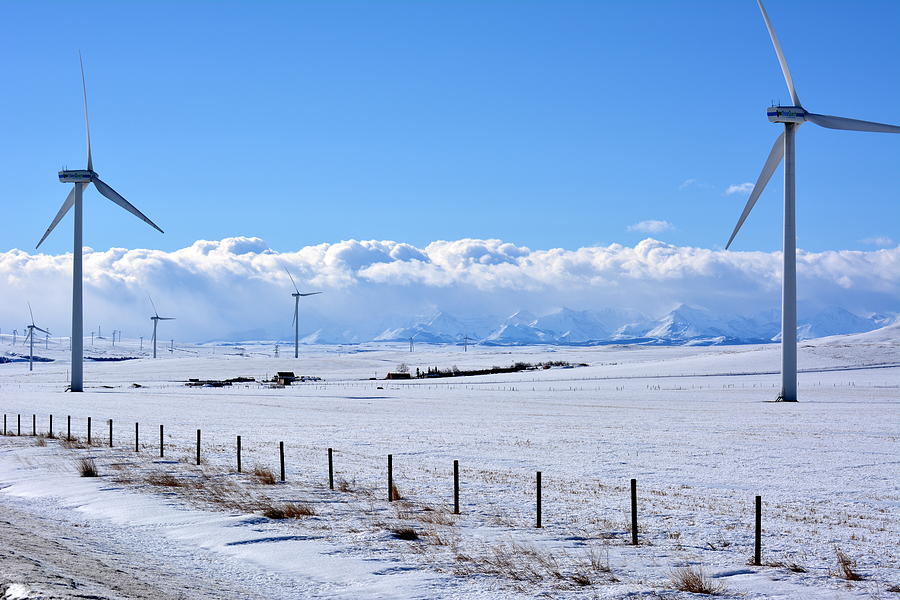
x,y
546,124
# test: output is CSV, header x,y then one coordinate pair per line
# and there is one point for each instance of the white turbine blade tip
x,y
851,124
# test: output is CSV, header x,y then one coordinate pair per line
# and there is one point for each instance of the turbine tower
x,y
792,117
81,179
30,338
156,319
297,295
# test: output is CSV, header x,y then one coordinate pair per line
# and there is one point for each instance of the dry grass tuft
x,y
264,475
344,486
790,566
845,566
164,480
405,533
395,493
691,579
288,511
894,588
87,468
40,442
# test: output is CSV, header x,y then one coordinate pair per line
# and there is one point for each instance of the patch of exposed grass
x,y
405,533
290,510
87,468
694,580
264,475
395,493
164,480
846,566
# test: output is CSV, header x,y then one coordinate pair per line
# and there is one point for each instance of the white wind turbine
x,y
156,319
81,179
30,338
297,295
792,117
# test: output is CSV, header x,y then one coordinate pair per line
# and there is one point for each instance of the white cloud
x,y
651,226
881,241
687,183
217,288
739,188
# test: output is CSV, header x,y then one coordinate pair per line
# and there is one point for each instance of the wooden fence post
x,y
137,446
634,525
110,434
330,469
50,435
18,424
198,446
538,523
455,487
161,446
239,453
33,425
4,423
390,477
281,456
89,431
757,547
69,428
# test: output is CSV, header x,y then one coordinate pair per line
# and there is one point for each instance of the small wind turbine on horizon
x,y
792,117
30,338
297,295
81,179
156,319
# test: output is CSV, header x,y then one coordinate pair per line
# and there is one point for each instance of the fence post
x,y
239,453
33,424
330,469
757,549
198,446
4,423
281,456
390,477
137,447
69,428
18,424
110,434
50,435
161,446
89,431
538,481
634,525
455,487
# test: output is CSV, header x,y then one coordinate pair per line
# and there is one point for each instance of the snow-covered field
x,y
694,426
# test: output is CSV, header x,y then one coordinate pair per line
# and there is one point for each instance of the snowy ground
x,y
692,425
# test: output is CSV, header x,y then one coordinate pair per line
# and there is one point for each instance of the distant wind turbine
x,y
792,117
156,319
30,338
81,179
297,295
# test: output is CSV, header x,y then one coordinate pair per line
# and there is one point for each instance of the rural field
x,y
695,426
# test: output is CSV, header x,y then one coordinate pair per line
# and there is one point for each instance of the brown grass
x,y
845,566
87,468
790,566
395,493
288,511
264,475
40,442
164,480
692,579
405,533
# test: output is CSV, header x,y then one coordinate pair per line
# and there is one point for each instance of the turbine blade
x,y
310,294
850,124
292,278
781,59
87,127
42,330
167,318
118,199
155,312
30,313
775,157
66,205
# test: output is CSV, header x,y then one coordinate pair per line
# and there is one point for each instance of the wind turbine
x,y
30,338
792,117
297,295
81,179
156,319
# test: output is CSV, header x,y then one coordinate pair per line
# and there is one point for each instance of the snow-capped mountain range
x,y
684,325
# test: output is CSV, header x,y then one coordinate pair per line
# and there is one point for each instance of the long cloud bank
x,y
237,287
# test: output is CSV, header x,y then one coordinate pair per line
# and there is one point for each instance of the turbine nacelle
x,y
77,176
786,114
